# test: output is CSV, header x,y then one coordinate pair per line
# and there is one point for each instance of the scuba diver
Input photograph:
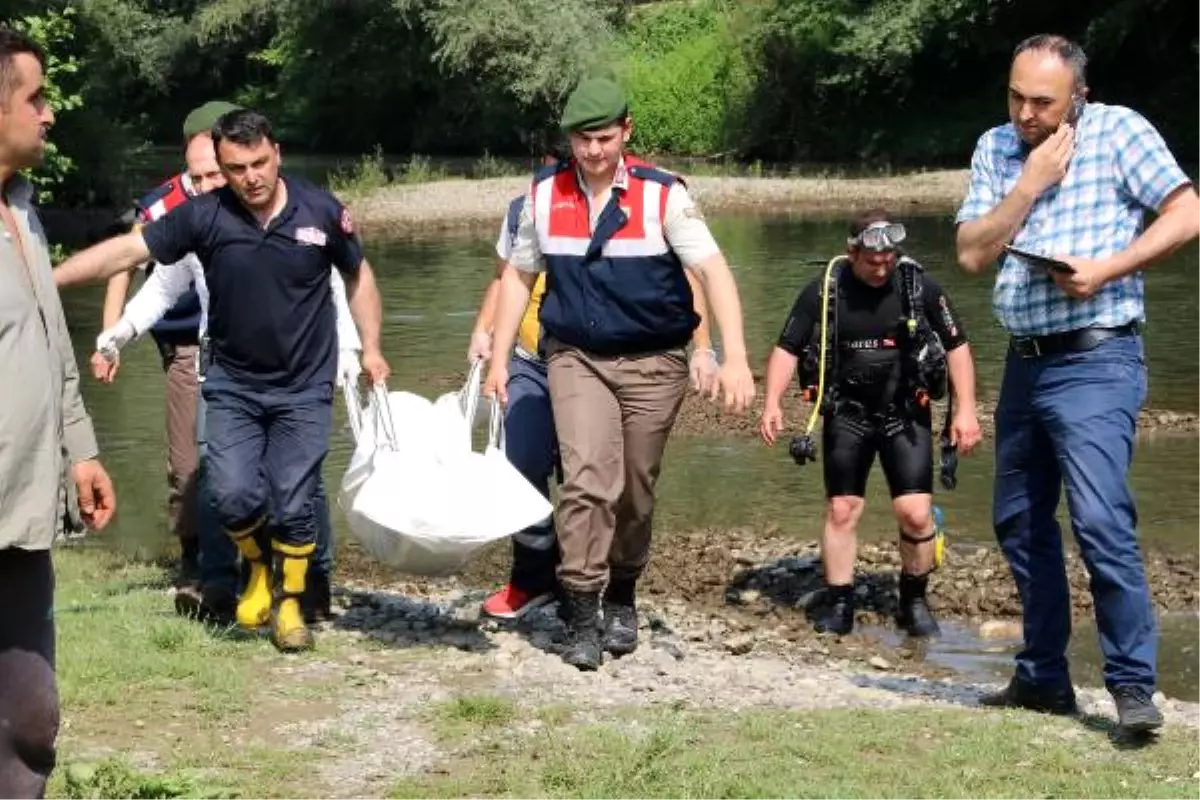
x,y
875,340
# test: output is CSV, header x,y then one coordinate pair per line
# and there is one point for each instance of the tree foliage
x,y
54,31
874,82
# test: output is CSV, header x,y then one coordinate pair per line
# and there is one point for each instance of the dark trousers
x,y
532,447
218,554
264,455
1070,418
28,693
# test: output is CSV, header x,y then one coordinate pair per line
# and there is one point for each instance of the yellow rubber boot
x,y
288,631
254,606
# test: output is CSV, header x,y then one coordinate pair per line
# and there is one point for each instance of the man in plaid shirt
x,y
1072,181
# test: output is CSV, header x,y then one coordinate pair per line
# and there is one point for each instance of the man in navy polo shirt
x,y
267,243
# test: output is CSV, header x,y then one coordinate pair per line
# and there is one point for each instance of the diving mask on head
x,y
879,236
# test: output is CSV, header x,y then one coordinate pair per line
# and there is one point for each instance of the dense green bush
x,y
686,77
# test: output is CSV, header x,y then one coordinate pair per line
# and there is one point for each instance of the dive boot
x,y
914,614
288,631
254,606
838,615
620,618
582,649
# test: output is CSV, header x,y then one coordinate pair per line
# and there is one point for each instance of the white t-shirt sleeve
x,y
685,228
526,256
347,333
504,246
166,284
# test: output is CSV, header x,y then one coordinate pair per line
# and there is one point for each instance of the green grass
x,y
894,753
466,714
158,706
135,678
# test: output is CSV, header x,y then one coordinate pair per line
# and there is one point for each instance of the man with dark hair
x,y
47,445
1072,181
873,335
615,237
267,243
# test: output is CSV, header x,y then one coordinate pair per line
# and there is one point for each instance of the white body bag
x,y
416,494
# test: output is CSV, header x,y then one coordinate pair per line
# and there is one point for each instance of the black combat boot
x,y
838,614
317,602
914,615
1136,712
582,649
620,617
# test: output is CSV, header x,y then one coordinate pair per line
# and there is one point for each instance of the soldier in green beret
x,y
616,237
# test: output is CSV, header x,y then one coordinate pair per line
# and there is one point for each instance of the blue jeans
x,y
1070,418
218,554
532,447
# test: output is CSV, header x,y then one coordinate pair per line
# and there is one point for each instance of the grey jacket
x,y
43,425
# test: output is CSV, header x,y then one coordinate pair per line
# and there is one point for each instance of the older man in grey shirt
x,y
47,446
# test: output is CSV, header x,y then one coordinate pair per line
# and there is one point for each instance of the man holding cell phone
x,y
1072,183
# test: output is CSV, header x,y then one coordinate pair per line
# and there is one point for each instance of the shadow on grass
x,y
968,696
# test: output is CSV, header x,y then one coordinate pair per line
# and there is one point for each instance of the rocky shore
x,y
738,591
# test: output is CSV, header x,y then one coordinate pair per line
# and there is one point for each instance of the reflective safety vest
x,y
181,323
620,289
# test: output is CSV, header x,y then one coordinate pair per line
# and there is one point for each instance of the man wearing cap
x,y
177,338
531,444
614,236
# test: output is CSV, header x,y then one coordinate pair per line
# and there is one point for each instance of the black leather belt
x,y
1067,341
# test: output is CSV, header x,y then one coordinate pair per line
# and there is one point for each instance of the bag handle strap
x,y
468,396
354,408
383,417
495,424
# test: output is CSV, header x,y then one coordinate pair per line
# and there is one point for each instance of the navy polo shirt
x,y
271,320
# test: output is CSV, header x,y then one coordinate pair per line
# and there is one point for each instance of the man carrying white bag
x,y
416,494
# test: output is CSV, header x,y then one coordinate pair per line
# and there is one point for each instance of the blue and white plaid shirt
x,y
1121,168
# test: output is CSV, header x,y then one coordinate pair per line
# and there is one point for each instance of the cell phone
x,y
1046,262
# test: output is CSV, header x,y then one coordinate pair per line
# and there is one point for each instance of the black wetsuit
x,y
868,418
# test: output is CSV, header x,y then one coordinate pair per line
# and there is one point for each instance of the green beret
x,y
201,119
595,103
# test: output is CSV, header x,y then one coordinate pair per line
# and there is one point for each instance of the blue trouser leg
x,y
531,446
322,562
237,430
1025,498
296,442
1087,405
218,553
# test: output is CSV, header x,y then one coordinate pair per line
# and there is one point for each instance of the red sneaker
x,y
512,602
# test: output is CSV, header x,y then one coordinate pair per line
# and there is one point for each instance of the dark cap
x,y
201,119
595,103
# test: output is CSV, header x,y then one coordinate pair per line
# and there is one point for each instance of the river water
x,y
431,288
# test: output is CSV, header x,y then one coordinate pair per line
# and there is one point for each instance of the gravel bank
x,y
465,205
